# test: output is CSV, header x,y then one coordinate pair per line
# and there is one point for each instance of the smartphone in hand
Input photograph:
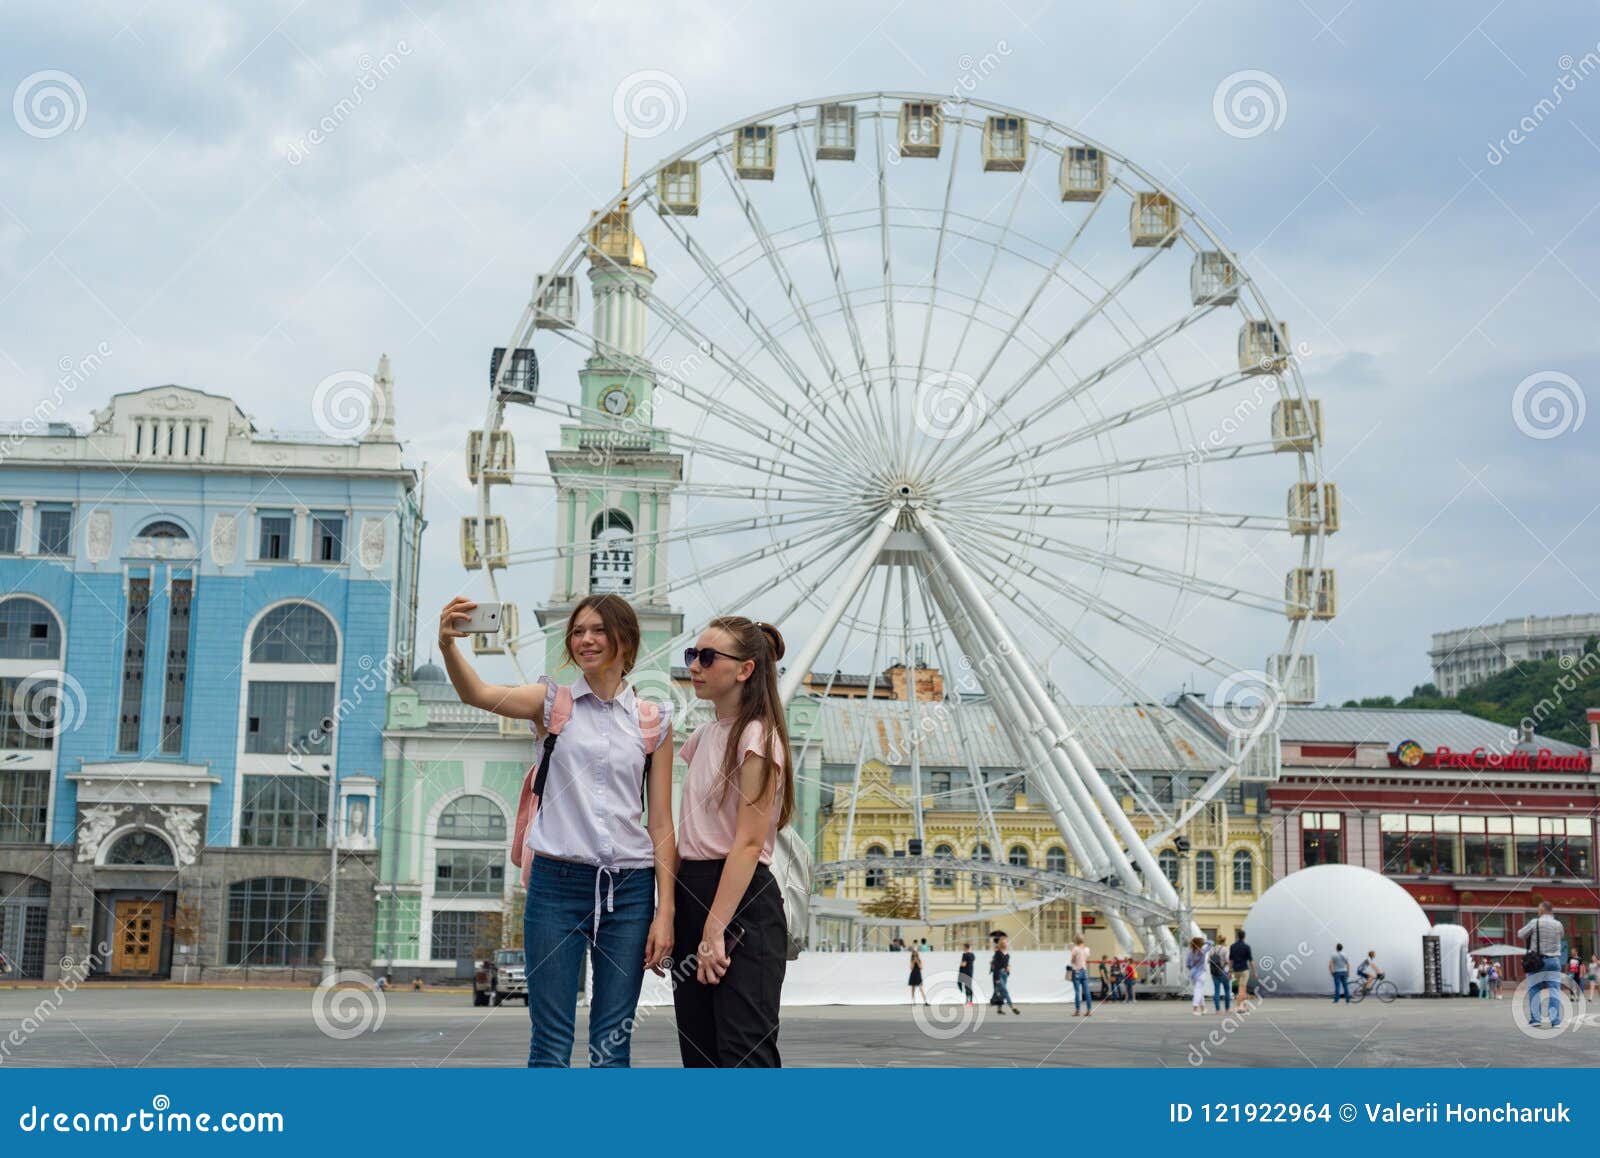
x,y
484,619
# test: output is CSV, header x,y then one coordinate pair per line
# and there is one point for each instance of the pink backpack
x,y
533,784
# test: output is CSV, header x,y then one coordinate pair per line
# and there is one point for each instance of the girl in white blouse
x,y
596,865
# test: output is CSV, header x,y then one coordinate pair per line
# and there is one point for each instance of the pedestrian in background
x,y
1543,935
916,976
1219,964
1000,972
1078,971
1242,960
1339,966
1196,963
964,974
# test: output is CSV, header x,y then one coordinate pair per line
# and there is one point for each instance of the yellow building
x,y
1219,871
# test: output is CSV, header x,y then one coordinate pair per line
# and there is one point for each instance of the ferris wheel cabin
x,y
1083,173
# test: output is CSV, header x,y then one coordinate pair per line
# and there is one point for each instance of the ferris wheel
x,y
920,377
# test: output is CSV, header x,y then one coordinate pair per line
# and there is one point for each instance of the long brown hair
x,y
621,624
759,702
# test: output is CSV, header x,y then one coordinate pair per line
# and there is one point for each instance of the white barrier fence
x,y
883,979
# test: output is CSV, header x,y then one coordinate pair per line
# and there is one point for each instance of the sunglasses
x,y
707,656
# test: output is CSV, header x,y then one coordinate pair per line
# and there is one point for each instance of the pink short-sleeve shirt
x,y
708,820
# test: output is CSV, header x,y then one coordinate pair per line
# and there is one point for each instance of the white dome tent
x,y
1296,923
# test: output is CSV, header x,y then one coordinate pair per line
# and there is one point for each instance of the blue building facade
x,y
198,626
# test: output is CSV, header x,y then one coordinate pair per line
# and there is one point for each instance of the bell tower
x,y
614,471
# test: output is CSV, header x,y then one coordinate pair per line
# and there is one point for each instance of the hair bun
x,y
774,637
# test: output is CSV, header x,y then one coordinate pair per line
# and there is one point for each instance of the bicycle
x,y
1381,988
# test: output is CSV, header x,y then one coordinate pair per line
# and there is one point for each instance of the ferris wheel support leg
x,y
1069,819
866,557
1109,808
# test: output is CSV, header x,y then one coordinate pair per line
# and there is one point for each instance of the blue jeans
x,y
1547,978
1341,984
1080,991
1001,993
1221,993
557,926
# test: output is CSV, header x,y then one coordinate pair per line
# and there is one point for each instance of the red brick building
x,y
1478,825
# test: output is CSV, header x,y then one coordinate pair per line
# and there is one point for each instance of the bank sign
x,y
1410,754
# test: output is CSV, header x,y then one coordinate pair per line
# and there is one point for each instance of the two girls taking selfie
x,y
698,899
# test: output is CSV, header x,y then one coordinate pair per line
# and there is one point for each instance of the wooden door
x,y
137,946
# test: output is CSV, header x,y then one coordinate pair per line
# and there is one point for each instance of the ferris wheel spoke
x,y
1171,461
1164,576
913,722
670,535
689,488
957,464
847,851
891,344
752,321
641,370
866,442
1105,513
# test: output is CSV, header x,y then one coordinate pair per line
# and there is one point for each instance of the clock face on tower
x,y
616,401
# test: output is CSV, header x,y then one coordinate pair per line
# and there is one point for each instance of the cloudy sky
x,y
1423,210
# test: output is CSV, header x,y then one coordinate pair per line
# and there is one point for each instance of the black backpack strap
x,y
543,774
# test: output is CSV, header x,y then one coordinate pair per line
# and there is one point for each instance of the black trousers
x,y
734,1023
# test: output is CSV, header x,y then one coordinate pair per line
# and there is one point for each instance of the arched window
x,y
1168,863
28,630
1055,859
984,853
1205,872
876,877
140,849
162,529
1018,857
611,555
1244,872
276,921
472,818
943,878
294,633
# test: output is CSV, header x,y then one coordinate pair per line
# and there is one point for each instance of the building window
x,y
1205,872
1321,838
163,529
133,638
177,678
277,533
284,812
28,630
276,921
1566,847
1017,857
24,724
24,800
1055,859
294,633
611,554
1417,844
472,818
9,523
327,536
944,878
983,853
1244,872
1486,846
55,531
876,877
469,872
458,934
284,718
1167,861
140,849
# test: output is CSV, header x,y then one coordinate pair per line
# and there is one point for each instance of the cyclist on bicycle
x,y
1369,972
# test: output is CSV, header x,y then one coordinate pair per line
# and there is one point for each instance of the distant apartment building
x,y
1470,655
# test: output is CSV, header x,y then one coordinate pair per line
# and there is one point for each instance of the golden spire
x,y
624,166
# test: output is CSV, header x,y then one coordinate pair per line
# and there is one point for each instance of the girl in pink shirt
x,y
738,792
